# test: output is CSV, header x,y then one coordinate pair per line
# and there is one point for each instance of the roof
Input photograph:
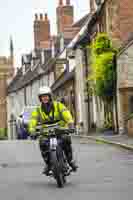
x,y
84,32
81,21
15,79
62,80
23,80
126,44
80,34
48,65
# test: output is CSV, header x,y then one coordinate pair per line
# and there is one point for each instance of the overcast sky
x,y
16,19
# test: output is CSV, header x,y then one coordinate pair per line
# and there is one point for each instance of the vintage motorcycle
x,y
59,166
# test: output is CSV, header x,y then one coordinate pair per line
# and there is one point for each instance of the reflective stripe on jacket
x,y
60,113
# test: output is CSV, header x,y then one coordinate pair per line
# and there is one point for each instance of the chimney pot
x,y
67,2
60,2
46,16
36,17
41,16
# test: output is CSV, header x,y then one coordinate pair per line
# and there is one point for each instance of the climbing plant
x,y
103,73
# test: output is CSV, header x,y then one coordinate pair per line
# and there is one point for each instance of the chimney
x,y
68,2
36,17
92,6
36,31
60,2
64,16
41,16
41,31
46,17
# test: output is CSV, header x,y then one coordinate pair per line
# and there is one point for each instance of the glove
x,y
71,127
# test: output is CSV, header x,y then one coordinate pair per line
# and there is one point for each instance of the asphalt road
x,y
105,172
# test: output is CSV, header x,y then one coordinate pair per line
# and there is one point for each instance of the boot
x,y
47,167
46,170
73,165
70,160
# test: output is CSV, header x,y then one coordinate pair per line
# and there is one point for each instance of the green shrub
x,y
3,133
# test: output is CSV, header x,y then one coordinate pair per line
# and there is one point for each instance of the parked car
x,y
23,120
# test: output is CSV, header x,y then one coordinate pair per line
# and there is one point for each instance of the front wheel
x,y
57,171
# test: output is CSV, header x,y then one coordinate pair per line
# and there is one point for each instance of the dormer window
x,y
61,43
43,56
33,60
34,55
32,65
23,69
26,59
53,50
25,62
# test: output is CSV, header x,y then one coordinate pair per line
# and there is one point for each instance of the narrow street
x,y
105,173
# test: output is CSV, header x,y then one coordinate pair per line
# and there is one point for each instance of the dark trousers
x,y
66,145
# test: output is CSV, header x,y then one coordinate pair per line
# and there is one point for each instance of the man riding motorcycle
x,y
49,111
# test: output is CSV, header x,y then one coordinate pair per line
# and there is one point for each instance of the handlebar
x,y
58,129
49,123
53,127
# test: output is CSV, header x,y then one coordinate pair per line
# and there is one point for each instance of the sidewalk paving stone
x,y
123,141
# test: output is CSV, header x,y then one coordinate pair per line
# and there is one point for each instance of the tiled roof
x,y
86,27
127,43
81,21
20,81
62,80
23,80
15,79
49,65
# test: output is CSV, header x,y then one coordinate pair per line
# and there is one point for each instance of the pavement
x,y
120,140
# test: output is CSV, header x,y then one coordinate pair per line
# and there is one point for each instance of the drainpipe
x,y
87,84
115,96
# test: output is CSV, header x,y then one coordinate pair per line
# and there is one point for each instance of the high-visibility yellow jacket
x,y
60,113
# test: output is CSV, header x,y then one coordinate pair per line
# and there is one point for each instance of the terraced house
x,y
46,64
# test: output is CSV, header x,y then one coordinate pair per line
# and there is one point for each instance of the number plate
x,y
53,143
